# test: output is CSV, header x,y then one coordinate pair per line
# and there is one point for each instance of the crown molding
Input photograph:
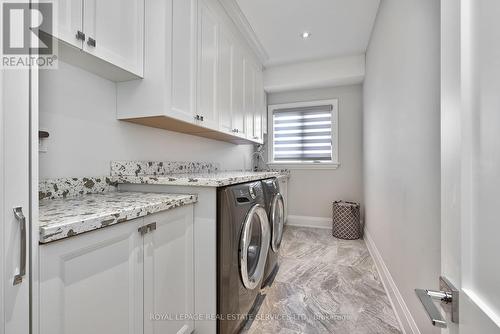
x,y
240,20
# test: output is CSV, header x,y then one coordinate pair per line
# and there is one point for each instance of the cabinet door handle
x,y
80,35
147,228
201,118
18,213
91,42
197,117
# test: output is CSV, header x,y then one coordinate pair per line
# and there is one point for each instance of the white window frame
x,y
334,164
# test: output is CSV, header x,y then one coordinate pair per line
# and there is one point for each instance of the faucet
x,y
259,155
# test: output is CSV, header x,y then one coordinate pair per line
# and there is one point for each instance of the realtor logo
x,y
27,31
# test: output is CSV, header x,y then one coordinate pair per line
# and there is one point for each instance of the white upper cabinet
x,y
114,31
110,33
69,21
200,76
167,91
225,85
207,66
249,95
258,128
183,55
238,82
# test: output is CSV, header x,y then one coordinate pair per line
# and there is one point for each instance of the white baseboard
x,y
403,315
306,221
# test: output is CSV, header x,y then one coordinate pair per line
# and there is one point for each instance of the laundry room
x,y
249,166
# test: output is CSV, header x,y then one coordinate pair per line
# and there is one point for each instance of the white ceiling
x,y
338,27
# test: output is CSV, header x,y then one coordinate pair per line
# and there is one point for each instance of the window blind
x,y
302,134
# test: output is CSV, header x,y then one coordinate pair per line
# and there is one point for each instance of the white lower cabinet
x,y
92,283
111,280
169,273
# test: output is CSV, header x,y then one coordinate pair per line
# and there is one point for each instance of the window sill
x,y
284,165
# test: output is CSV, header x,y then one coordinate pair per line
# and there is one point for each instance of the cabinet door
x,y
183,59
117,29
258,102
14,192
169,272
238,99
93,283
69,20
207,66
225,81
249,89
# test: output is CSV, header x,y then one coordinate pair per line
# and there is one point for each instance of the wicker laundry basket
x,y
346,220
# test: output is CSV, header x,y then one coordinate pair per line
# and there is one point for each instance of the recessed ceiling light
x,y
305,34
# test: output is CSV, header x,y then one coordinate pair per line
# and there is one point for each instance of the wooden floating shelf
x,y
167,123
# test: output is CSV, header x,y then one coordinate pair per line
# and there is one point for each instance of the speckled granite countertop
x,y
66,217
215,179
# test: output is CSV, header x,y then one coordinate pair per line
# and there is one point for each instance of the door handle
x,y
426,297
449,298
18,213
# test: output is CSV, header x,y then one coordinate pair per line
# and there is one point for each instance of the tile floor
x,y
324,285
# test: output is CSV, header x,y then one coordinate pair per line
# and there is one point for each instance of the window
x,y
304,133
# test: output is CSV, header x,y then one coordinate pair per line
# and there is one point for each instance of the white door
x,y
225,81
14,193
207,66
114,32
238,83
470,109
69,21
169,272
93,283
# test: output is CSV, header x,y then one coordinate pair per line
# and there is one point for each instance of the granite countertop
x,y
213,179
65,217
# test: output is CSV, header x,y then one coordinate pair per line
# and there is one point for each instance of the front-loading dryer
x,y
276,214
243,239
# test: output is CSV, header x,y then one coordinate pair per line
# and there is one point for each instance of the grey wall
x,y
311,192
402,145
79,110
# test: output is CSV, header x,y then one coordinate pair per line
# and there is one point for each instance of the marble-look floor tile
x,y
324,285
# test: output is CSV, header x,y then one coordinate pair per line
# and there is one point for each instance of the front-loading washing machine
x,y
243,239
275,209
